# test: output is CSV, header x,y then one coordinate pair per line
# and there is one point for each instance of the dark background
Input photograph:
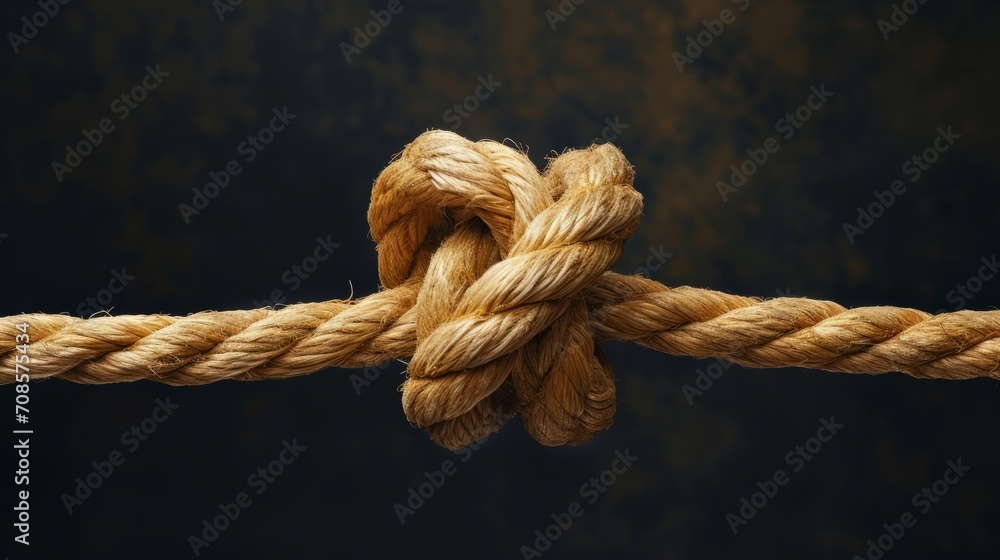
x,y
781,231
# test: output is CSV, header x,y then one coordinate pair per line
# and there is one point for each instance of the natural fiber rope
x,y
497,286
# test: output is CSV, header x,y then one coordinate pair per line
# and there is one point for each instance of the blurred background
x,y
683,88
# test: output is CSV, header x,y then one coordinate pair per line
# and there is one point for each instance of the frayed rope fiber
x,y
496,286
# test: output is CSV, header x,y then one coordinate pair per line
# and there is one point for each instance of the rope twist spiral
x,y
497,287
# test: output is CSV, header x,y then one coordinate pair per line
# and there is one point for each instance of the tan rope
x,y
497,286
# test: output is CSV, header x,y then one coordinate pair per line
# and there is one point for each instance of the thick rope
x,y
497,286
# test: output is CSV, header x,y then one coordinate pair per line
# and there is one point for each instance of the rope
x,y
496,288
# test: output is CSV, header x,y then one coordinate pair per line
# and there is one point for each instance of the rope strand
x,y
497,289
304,338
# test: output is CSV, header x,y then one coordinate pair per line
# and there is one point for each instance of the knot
x,y
502,258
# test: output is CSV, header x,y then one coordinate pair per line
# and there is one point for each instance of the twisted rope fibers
x,y
496,286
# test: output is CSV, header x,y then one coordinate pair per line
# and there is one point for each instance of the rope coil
x,y
497,285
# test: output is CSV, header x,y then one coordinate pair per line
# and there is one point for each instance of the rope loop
x,y
496,287
504,257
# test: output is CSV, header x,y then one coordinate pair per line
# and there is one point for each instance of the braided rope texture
x,y
496,288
